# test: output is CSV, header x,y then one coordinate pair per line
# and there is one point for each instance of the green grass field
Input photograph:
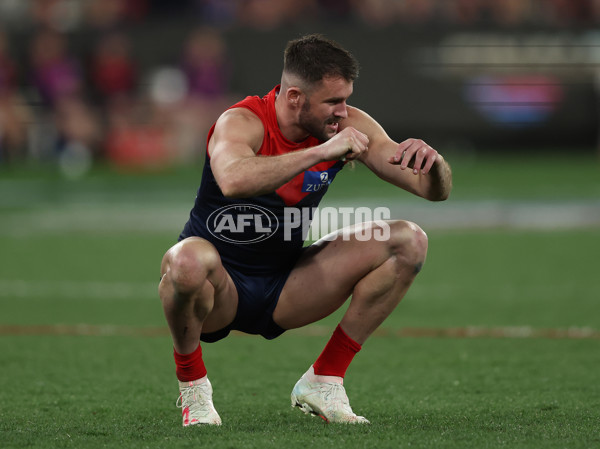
x,y
497,345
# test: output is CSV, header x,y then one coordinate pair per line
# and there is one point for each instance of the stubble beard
x,y
312,126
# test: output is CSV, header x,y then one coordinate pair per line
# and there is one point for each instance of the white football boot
x,y
327,400
195,402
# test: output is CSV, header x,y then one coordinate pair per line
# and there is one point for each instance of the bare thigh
x,y
325,276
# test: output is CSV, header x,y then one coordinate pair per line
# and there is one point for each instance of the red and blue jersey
x,y
262,233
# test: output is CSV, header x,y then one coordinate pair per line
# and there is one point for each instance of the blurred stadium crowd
x,y
74,101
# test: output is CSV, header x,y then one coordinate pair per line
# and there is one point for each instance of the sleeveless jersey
x,y
263,233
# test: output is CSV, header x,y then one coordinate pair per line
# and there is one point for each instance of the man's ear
x,y
294,96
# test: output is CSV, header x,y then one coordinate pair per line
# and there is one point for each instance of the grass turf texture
x,y
115,391
119,390
481,278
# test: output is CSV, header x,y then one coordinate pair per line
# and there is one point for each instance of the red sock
x,y
337,355
189,367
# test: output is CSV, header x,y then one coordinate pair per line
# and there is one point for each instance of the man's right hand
x,y
347,145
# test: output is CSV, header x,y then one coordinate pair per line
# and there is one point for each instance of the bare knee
x,y
408,243
188,265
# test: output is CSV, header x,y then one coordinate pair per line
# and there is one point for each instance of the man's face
x,y
326,106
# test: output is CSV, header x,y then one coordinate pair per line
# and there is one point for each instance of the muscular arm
x,y
411,165
240,172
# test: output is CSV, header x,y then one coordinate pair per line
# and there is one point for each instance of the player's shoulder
x,y
361,120
239,116
357,115
239,120
238,125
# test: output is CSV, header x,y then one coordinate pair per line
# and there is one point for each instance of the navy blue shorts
x,y
257,297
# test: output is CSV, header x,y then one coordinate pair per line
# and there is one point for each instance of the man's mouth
x,y
333,125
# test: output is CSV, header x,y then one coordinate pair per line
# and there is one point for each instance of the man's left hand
x,y
415,154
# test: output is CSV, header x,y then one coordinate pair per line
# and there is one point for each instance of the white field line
x,y
491,213
10,288
170,217
102,290
518,332
135,290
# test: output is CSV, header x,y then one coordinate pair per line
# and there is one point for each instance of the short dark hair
x,y
314,57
